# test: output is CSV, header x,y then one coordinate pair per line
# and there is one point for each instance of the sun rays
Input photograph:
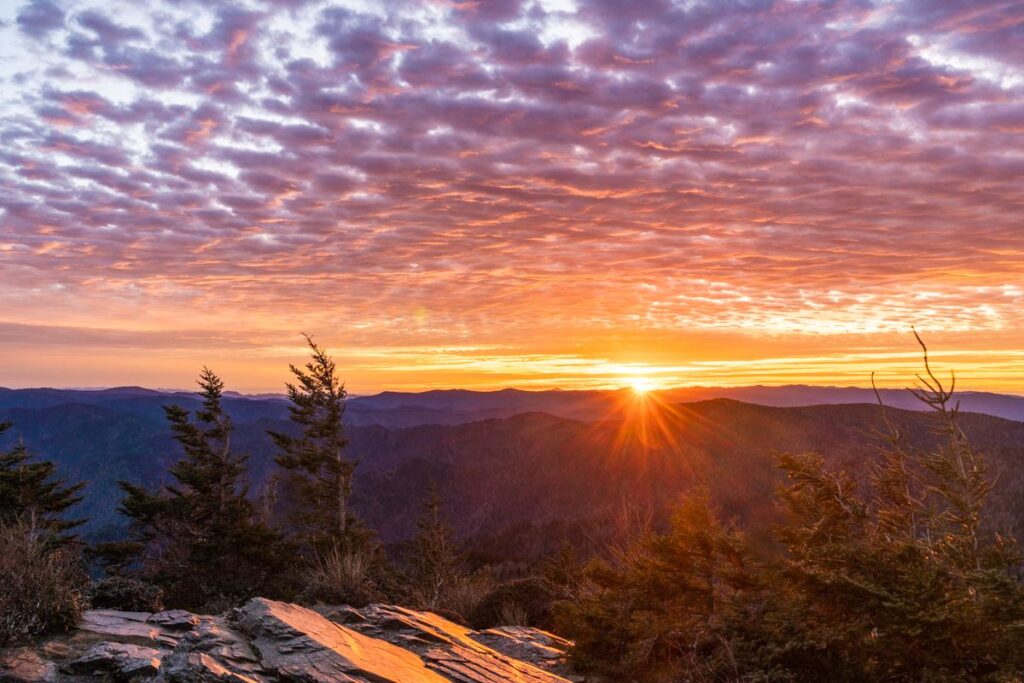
x,y
647,421
641,385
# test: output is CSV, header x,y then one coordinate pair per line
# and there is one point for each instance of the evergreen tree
x,y
901,582
32,494
315,464
201,539
436,563
209,469
661,608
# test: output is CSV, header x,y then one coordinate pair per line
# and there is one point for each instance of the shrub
x,y
663,608
343,577
43,587
527,600
512,614
463,597
128,594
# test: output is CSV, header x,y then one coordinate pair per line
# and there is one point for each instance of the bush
x,y
527,601
43,588
128,594
343,577
461,600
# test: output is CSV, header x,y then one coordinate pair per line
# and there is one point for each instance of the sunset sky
x,y
534,193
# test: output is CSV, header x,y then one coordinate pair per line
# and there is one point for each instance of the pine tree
x,y
436,563
315,462
32,494
900,582
659,609
209,468
202,539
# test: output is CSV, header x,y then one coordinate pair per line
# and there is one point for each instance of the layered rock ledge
x,y
266,641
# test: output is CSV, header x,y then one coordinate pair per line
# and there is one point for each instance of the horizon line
x,y
657,390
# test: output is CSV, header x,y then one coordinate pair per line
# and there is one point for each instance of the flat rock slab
x,y
457,653
276,642
297,644
128,627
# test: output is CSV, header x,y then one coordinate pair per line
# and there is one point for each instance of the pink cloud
x,y
617,167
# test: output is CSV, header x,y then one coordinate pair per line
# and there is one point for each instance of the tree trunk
x,y
342,500
225,455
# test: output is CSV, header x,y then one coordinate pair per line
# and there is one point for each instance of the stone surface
x,y
25,665
454,650
299,644
528,644
223,649
127,627
122,661
266,642
174,619
199,667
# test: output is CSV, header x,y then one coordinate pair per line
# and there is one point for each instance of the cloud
x,y
39,17
521,170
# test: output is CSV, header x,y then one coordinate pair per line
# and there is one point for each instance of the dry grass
x,y
42,589
465,595
342,577
513,614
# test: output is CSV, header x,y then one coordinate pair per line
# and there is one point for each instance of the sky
x,y
527,193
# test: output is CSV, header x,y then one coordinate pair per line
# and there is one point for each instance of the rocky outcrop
x,y
456,652
266,641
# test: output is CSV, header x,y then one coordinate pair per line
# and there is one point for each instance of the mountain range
x,y
521,471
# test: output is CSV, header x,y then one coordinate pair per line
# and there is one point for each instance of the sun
x,y
640,385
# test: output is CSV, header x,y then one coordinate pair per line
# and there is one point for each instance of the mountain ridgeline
x,y
520,472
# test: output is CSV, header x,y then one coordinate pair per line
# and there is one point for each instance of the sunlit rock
x,y
266,641
298,644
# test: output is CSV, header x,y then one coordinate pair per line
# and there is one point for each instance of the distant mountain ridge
x,y
457,406
526,480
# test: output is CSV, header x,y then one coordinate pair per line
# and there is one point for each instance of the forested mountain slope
x,y
515,486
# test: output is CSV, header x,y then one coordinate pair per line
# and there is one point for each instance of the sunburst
x,y
640,385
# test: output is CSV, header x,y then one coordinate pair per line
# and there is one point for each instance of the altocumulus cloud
x,y
411,172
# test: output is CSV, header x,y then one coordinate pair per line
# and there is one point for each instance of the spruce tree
x,y
201,538
32,494
435,560
660,609
315,463
902,581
